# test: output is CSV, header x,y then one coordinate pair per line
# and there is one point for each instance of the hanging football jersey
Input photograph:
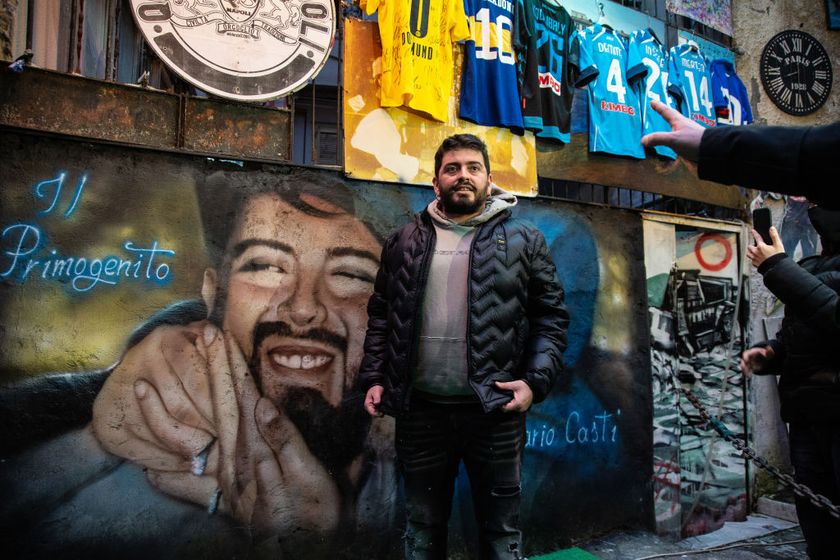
x,y
489,87
647,71
417,65
692,83
729,95
600,58
546,90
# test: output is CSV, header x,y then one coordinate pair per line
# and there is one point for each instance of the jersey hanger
x,y
602,19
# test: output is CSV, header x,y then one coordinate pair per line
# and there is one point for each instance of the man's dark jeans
x,y
432,439
815,454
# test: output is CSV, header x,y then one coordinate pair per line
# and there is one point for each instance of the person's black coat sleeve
x,y
790,160
801,292
548,322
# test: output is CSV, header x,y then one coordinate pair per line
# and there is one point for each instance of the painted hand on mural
x,y
197,401
522,395
267,474
155,408
756,359
684,137
761,251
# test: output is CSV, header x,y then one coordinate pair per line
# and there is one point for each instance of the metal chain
x,y
818,500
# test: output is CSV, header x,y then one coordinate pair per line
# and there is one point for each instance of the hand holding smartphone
x,y
762,221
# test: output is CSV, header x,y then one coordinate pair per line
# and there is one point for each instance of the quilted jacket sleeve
x,y
801,291
548,322
372,369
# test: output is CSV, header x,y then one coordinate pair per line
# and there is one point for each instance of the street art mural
x,y
696,309
181,337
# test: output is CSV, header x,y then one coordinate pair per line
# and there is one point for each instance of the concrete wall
x,y
7,10
106,248
753,24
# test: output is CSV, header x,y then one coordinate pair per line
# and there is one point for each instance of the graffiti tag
x,y
576,430
25,252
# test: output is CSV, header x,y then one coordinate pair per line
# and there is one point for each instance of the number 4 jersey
x,y
600,56
489,91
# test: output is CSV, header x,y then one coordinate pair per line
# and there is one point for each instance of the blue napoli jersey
x,y
692,83
489,83
547,91
729,95
600,57
647,70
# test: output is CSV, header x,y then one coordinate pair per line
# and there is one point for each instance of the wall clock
x,y
796,72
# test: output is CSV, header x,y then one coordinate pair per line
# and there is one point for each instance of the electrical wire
x,y
719,548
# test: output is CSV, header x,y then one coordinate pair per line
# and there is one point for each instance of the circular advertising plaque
x,y
248,50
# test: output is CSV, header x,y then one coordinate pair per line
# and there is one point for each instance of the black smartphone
x,y
761,223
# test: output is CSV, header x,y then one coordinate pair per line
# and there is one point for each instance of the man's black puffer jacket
x,y
517,323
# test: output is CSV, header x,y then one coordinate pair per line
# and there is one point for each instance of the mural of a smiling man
x,y
246,407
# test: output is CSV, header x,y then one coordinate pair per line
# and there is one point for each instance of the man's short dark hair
x,y
223,195
462,142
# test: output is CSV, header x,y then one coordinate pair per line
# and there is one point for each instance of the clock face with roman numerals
x,y
796,72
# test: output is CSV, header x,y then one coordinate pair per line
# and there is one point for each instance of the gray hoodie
x,y
442,349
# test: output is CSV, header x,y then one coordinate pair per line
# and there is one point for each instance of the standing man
x,y
466,330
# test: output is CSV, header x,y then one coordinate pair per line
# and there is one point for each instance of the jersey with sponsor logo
x,y
647,70
489,87
729,95
692,83
417,65
599,56
546,90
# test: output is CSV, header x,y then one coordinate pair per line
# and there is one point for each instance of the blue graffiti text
x,y
600,429
52,188
576,430
25,253
544,436
27,258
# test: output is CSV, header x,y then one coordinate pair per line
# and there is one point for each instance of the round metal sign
x,y
249,50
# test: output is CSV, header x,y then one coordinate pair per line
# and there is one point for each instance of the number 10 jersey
x,y
489,91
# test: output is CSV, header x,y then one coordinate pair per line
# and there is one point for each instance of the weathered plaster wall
x,y
105,247
754,23
7,10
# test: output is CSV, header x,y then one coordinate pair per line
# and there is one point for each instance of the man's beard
x,y
334,434
462,206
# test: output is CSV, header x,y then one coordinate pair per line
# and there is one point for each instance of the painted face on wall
x,y
463,182
297,292
295,300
